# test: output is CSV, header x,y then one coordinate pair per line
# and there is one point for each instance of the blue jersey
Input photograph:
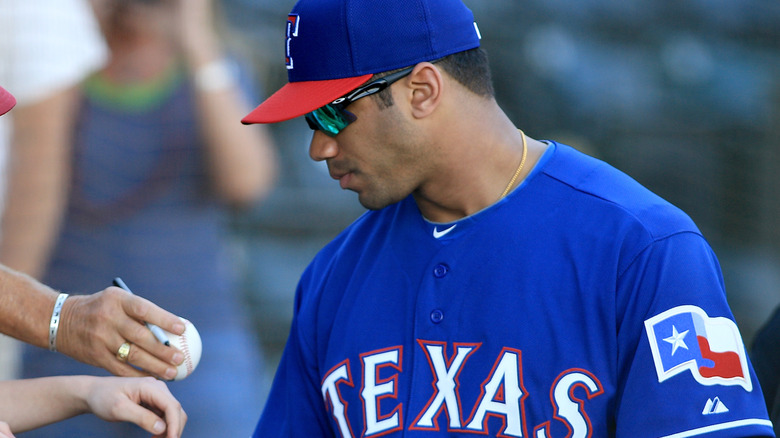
x,y
581,305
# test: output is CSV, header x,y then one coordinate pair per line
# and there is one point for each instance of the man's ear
x,y
426,84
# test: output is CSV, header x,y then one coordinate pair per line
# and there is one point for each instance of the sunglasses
x,y
333,117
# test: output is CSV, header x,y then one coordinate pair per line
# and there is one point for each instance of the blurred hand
x,y
93,327
5,430
144,401
197,36
186,24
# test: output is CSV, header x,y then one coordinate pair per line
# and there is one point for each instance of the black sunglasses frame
x,y
339,105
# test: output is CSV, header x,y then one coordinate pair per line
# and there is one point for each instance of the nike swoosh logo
x,y
439,234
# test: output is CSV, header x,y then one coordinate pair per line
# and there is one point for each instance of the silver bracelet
x,y
54,325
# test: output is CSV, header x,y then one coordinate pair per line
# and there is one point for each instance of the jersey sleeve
x,y
295,406
684,368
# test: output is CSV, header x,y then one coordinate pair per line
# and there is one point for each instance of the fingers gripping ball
x,y
189,343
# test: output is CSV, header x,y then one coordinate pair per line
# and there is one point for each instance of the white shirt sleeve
x,y
47,45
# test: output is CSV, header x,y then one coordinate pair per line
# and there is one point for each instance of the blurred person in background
x,y
158,163
27,404
47,47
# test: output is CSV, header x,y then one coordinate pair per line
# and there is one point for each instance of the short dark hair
x,y
470,68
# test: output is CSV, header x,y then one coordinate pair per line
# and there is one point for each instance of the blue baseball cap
x,y
334,46
7,101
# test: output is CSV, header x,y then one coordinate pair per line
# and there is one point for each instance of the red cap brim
x,y
7,101
299,98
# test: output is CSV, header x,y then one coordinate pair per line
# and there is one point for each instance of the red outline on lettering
x,y
545,427
482,395
394,378
349,382
448,360
579,401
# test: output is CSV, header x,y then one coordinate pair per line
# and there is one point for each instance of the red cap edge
x,y
299,98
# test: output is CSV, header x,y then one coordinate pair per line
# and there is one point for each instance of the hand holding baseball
x,y
94,326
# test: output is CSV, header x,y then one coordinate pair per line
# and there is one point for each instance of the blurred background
x,y
684,96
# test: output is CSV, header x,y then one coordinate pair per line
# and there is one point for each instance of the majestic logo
x,y
292,31
685,338
714,406
439,234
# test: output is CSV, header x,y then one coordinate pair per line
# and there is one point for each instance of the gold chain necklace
x,y
519,169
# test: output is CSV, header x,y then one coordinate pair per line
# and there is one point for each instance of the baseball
x,y
189,344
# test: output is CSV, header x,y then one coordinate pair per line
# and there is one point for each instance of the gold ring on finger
x,y
123,352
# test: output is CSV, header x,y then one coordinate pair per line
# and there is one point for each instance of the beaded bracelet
x,y
54,325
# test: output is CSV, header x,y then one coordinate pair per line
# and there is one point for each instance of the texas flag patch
x,y
685,338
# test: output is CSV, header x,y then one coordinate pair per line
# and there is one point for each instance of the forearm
x,y
38,171
32,403
241,159
25,307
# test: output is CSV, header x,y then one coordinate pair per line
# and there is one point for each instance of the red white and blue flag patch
x,y
685,338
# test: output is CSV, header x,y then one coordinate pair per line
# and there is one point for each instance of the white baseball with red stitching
x,y
189,343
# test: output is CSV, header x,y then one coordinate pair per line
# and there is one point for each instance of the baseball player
x,y
499,285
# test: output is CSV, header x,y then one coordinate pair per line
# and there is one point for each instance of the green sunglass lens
x,y
329,120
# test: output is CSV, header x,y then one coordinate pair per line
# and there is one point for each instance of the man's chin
x,y
375,203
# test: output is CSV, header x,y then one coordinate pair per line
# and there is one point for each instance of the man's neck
x,y
477,173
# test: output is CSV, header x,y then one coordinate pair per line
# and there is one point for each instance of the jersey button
x,y
440,270
437,316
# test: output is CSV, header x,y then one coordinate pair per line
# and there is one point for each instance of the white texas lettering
x,y
446,375
330,392
375,389
568,408
502,396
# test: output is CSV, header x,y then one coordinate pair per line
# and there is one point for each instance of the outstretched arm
x,y
92,327
32,403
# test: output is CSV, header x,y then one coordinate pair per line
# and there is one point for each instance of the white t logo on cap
x,y
292,31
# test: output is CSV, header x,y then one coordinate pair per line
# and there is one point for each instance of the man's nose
x,y
322,146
